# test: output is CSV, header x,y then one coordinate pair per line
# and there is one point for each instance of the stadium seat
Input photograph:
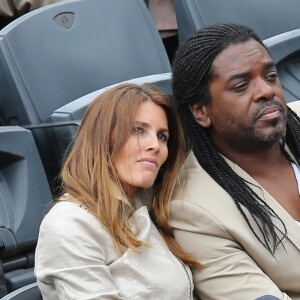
x,y
28,292
268,18
24,198
285,50
73,111
60,52
275,21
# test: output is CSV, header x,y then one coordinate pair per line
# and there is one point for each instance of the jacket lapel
x,y
293,228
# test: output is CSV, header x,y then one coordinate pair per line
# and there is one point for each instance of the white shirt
x,y
297,175
76,259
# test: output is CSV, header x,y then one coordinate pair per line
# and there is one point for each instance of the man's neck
x,y
264,162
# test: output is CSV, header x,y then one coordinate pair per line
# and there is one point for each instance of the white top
x,y
76,259
297,175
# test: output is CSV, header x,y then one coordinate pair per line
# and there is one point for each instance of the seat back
x,y
60,52
24,196
267,17
28,292
74,111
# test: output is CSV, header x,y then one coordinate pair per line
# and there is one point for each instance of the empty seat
x,y
268,18
58,53
24,197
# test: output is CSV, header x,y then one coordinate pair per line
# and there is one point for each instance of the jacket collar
x,y
293,228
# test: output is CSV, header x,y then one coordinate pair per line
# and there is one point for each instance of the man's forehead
x,y
240,57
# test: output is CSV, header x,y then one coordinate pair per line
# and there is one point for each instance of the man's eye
x,y
163,137
138,129
240,86
272,75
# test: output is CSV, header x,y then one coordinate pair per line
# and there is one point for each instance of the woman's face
x,y
145,151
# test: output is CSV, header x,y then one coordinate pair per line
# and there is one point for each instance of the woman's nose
x,y
153,143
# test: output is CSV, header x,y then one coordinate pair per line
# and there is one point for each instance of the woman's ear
x,y
201,115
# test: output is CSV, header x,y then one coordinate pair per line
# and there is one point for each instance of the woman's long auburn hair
x,y
89,176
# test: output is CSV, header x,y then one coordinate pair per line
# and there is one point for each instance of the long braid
x,y
191,77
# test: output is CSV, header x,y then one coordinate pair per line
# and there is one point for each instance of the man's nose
x,y
264,90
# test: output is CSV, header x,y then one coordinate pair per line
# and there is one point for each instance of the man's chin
x,y
272,136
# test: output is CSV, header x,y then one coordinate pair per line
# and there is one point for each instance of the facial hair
x,y
250,137
276,135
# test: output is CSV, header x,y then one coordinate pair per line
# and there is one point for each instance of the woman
x,y
98,241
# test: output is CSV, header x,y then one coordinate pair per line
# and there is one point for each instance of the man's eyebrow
x,y
270,64
239,75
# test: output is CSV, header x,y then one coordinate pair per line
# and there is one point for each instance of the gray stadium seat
x,y
60,52
285,50
73,111
268,17
275,21
24,197
28,292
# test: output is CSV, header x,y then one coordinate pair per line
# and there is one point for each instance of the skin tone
x,y
247,118
145,151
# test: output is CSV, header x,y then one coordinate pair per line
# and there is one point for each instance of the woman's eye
x,y
163,137
138,129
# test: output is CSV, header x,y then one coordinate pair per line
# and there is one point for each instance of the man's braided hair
x,y
192,75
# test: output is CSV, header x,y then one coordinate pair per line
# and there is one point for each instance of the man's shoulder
x,y
196,185
192,172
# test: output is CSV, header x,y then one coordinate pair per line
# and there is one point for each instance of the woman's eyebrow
x,y
147,125
144,124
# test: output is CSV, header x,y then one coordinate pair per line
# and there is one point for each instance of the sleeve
x,y
227,272
15,8
70,257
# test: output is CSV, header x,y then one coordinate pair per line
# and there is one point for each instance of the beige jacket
x,y
15,8
76,259
235,265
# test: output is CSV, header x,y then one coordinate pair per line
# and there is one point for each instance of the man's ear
x,y
200,114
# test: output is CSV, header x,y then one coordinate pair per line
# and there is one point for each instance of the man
x,y
237,208
11,9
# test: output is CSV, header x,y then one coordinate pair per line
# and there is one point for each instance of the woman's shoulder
x,y
68,207
66,215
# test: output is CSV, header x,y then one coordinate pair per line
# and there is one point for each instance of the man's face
x,y
248,109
